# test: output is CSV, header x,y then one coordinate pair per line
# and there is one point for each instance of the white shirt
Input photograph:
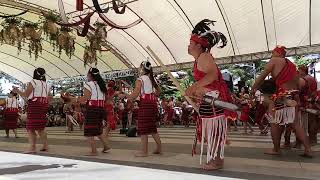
x,y
96,93
147,87
40,89
12,103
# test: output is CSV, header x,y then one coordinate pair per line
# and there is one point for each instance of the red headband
x,y
281,50
198,39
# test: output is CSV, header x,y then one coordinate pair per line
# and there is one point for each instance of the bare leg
x,y
302,137
44,139
32,137
7,133
157,139
15,133
104,139
93,146
144,143
276,137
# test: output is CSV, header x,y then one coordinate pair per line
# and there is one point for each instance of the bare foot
x,y
106,149
140,154
228,142
272,152
45,149
212,166
157,152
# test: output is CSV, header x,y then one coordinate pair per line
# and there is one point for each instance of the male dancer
x,y
286,80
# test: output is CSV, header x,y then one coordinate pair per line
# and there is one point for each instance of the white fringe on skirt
x,y
284,116
213,129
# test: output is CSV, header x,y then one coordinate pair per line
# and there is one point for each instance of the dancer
x,y
94,96
147,88
286,80
68,110
38,93
78,115
11,114
308,93
209,77
245,103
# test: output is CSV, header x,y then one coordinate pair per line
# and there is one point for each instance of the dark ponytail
x,y
148,71
94,72
39,74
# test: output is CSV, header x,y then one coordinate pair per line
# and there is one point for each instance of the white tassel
x,y
216,124
202,139
223,143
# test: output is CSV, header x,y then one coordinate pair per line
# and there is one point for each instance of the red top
x,y
288,72
218,84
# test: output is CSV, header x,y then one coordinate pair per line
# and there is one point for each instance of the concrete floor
x,y
244,157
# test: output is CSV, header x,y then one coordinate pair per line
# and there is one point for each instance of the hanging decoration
x,y
114,25
115,6
79,5
90,56
50,27
29,33
98,8
15,15
11,34
66,42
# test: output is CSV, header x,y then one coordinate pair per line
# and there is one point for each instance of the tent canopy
x,y
251,26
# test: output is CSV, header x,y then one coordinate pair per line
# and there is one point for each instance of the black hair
x,y
148,71
95,74
13,94
203,30
39,74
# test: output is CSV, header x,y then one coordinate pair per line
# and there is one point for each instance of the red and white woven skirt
x,y
11,118
37,113
147,115
93,120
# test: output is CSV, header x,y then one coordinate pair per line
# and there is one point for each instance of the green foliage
x,y
301,60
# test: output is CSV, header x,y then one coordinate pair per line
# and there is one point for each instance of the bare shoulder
x,y
205,61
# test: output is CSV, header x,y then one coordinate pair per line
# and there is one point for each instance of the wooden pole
x,y
174,80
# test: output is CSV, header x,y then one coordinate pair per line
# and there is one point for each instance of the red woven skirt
x,y
37,114
11,118
245,113
147,114
93,120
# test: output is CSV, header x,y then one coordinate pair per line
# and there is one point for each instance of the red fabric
x,y
110,116
199,40
218,84
11,118
281,50
170,112
261,110
147,112
288,72
245,113
37,113
79,5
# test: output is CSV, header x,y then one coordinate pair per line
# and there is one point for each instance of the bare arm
x,y
136,92
267,70
86,96
27,92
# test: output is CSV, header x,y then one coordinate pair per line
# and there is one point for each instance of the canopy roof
x,y
251,26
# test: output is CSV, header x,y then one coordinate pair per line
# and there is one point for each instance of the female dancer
x,y
38,98
147,88
209,78
11,114
94,96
